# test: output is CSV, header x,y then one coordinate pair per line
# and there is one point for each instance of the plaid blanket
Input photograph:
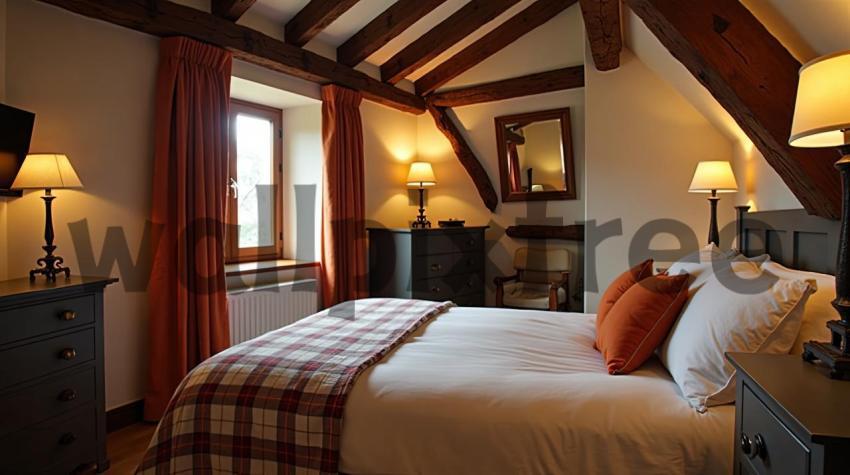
x,y
274,404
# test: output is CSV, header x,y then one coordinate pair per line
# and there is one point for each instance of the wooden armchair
x,y
542,281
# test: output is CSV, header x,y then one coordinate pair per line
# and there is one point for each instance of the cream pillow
x,y
819,309
739,309
703,264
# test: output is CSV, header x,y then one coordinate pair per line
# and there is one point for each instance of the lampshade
x,y
421,174
822,110
46,171
713,176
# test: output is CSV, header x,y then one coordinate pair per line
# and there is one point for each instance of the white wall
x,y
91,86
302,158
643,142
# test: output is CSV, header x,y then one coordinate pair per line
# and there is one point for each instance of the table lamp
x,y
713,177
822,119
47,171
421,176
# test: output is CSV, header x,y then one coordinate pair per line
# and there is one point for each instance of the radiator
x,y
260,310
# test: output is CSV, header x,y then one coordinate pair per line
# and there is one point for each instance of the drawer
x,y
57,445
446,243
35,320
440,265
773,448
53,354
37,402
447,288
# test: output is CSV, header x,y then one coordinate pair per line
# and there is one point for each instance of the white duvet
x,y
487,391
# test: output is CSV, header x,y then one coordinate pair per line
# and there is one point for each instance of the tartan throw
x,y
274,404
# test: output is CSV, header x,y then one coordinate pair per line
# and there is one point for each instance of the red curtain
x,y
187,294
343,219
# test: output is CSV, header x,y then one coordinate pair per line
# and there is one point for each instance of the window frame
x,y
233,253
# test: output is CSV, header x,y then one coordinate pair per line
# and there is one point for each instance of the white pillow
x,y
703,264
739,309
819,309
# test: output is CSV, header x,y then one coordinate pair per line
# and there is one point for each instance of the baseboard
x,y
126,415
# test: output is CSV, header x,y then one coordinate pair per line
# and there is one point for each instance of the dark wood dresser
x,y
52,417
790,417
428,264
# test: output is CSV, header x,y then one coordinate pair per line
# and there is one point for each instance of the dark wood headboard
x,y
792,238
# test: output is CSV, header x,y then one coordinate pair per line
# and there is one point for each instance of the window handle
x,y
233,188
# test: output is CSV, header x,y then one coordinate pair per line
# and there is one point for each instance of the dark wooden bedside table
x,y
790,417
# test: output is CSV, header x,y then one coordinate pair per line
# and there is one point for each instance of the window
x,y
254,206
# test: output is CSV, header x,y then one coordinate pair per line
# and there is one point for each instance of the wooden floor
x,y
125,447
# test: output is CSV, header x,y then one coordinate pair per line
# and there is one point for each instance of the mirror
x,y
536,156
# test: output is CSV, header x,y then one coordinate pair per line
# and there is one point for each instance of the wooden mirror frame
x,y
566,142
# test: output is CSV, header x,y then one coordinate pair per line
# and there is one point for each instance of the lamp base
x,y
421,222
50,265
830,354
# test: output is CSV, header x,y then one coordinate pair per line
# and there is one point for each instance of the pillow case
x,y
703,264
819,309
729,314
640,320
619,286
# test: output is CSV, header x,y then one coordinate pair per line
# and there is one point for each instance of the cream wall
x,y
91,86
643,142
302,158
3,227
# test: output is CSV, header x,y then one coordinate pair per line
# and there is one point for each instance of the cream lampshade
x,y
822,119
47,171
713,176
421,174
822,110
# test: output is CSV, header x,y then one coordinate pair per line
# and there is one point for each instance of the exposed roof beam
x,y
557,80
458,26
386,26
164,18
231,9
314,18
602,24
535,15
466,156
754,78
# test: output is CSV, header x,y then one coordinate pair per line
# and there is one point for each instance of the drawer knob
x,y
68,354
754,447
68,315
68,395
435,289
436,267
67,438
471,242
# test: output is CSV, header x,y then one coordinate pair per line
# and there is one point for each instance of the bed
x,y
457,390
518,391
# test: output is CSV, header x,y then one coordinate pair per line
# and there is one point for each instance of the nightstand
x,y
790,417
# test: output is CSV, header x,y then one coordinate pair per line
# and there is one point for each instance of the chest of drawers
x,y
428,264
790,418
52,417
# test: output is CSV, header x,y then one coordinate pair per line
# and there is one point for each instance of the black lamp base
x,y
49,265
421,221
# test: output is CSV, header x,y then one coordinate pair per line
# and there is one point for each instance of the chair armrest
x,y
565,279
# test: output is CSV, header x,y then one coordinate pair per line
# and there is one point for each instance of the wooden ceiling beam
x,y
231,9
163,18
380,31
602,24
465,155
535,15
557,80
458,26
754,78
313,18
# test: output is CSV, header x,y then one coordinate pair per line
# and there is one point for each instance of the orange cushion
x,y
620,285
640,321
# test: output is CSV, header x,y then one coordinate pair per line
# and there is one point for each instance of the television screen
x,y
15,133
